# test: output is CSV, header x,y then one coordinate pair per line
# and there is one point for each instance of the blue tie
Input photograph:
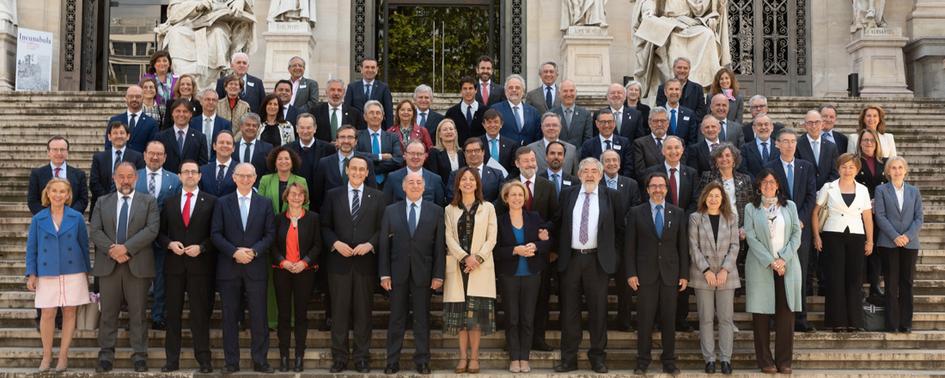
x,y
722,131
672,121
658,223
367,90
555,177
244,211
790,179
122,235
423,119
548,100
494,149
816,147
469,115
518,124
376,143
412,218
764,151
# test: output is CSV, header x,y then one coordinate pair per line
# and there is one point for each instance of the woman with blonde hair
x,y
873,117
446,155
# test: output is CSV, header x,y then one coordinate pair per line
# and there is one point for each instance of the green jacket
x,y
269,188
759,278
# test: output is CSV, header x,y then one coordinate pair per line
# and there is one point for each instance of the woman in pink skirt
x,y
57,263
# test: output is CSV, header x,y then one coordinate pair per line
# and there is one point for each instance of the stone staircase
x,y
28,120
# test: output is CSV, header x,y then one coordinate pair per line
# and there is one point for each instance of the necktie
x,y
672,121
829,136
548,100
585,216
248,152
816,146
672,186
567,116
221,174
468,115
180,141
764,151
618,118
376,143
494,149
334,122
56,172
423,119
367,90
609,144
713,146
485,93
186,213
658,222
556,178
528,201
208,131
412,218
132,122
355,204
122,235
659,144
151,185
790,179
612,183
722,131
117,160
518,122
244,211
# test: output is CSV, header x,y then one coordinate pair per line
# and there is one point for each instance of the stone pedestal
x,y
283,41
586,58
877,57
7,56
927,19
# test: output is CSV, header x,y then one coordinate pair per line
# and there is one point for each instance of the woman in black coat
x,y
871,175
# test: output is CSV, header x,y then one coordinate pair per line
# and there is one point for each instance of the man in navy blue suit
x,y
520,121
821,153
57,149
683,121
692,95
283,91
253,90
760,150
499,150
104,163
331,171
467,113
415,156
491,178
487,92
249,148
382,147
607,140
216,177
309,148
207,122
242,230
630,122
182,142
426,117
369,88
829,114
143,128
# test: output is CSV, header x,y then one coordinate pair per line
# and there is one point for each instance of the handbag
x,y
86,316
822,216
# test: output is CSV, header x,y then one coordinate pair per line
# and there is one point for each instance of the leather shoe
x,y
710,367
338,367
905,329
263,368
230,369
624,327
804,327
326,326
159,325
141,366
169,368
599,367
541,345
769,370
362,367
726,368
671,369
423,368
684,327
785,370
284,364
103,367
392,368
565,367
639,371
206,368
299,364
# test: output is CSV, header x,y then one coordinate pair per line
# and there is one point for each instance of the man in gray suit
x,y
546,96
551,131
304,90
124,225
576,121
731,131
648,149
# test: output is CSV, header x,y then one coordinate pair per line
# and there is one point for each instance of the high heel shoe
x,y
473,366
461,366
44,364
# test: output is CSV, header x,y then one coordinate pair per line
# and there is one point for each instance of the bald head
x,y
719,106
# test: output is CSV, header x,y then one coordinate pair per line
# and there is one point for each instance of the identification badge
x,y
566,182
617,147
302,86
686,118
252,84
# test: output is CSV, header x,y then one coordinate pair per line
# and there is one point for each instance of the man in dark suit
x,y
304,96
415,155
411,265
699,154
104,163
822,154
216,177
57,149
520,121
185,232
487,92
591,219
683,185
500,152
629,121
123,227
309,148
692,95
368,89
351,223
683,121
629,191
657,260
729,131
283,91
759,151
207,122
331,171
468,113
143,128
426,117
648,149
607,140
798,179
555,153
546,96
829,114
253,90
249,148
334,113
182,142
758,105
577,123
383,147
242,230
490,178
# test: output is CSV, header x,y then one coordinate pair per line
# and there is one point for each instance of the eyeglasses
x,y
189,172
812,123
656,186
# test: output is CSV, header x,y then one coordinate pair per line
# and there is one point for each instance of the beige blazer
x,y
482,280
223,111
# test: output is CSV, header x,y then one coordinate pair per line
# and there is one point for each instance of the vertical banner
x,y
33,60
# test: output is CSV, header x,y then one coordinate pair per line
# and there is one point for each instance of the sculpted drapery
x,y
583,13
292,10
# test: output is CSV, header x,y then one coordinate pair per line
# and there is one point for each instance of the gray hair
x,y
736,153
247,165
514,77
657,110
633,83
682,58
673,137
609,152
550,115
296,57
250,117
548,63
306,116
422,88
335,80
893,159
373,103
590,161
237,55
207,91
758,97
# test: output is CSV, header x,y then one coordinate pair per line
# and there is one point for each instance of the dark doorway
x,y
770,42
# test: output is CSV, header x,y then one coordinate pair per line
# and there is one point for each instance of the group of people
x,y
268,198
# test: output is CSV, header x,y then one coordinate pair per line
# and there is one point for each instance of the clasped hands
x,y
244,255
435,284
359,250
779,266
179,249
119,253
293,267
716,279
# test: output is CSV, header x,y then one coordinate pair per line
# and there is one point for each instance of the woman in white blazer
x,y
847,236
873,117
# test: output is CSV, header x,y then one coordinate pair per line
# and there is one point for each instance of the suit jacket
x,y
433,120
328,176
197,232
481,282
496,94
869,179
465,130
736,108
632,124
349,116
628,189
507,148
592,148
693,97
39,177
506,263
52,252
752,161
145,130
389,145
688,186
491,179
306,96
291,114
645,154
892,220
531,129
744,189
544,201
168,121
439,162
749,133
699,157
805,186
687,125
536,98
310,238
355,98
708,252
143,226
610,224
100,180
195,148
841,140
339,225
433,190
566,181
208,179
170,185
415,259
570,156
219,124
261,151
733,133
310,158
253,92
827,168
228,234
581,127
654,259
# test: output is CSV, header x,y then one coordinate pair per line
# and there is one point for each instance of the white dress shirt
x,y
193,200
592,219
521,112
225,164
62,171
131,198
900,194
351,190
123,150
475,107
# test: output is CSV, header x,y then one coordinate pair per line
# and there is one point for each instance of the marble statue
x,y
201,35
664,30
583,13
8,11
292,11
868,14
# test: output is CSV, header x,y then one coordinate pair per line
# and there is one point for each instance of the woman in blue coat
x,y
57,266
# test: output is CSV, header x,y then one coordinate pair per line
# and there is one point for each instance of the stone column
x,y
925,54
7,54
283,41
586,54
878,58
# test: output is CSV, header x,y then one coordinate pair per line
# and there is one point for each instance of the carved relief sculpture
x,y
292,11
583,13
